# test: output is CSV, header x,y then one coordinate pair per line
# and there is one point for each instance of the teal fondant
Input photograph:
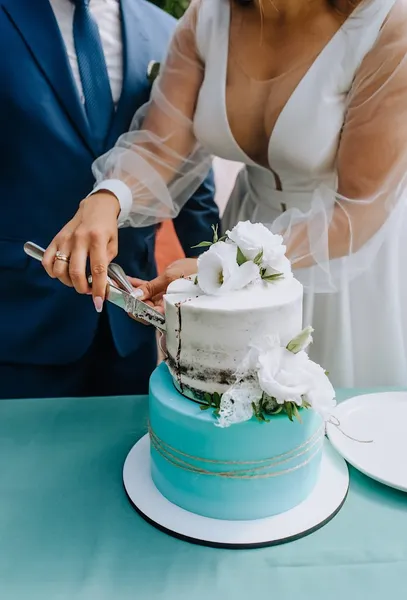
x,y
268,468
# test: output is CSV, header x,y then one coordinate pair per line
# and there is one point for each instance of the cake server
x,y
123,298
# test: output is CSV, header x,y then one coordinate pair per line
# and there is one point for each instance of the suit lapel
x,y
36,24
135,59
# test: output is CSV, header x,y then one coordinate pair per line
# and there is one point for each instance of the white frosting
x,y
216,331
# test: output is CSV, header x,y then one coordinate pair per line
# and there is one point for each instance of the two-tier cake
x,y
234,433
237,410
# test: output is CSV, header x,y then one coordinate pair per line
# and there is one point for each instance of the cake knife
x,y
123,298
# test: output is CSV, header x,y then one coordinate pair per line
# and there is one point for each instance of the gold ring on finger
x,y
61,256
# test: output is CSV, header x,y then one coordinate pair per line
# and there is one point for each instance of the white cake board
x,y
320,507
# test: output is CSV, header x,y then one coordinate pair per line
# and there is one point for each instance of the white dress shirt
x,y
107,16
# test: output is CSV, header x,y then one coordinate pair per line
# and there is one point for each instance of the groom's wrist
x,y
123,194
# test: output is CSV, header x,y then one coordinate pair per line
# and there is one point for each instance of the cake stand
x,y
321,506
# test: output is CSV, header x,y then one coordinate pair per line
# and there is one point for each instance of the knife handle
x,y
37,252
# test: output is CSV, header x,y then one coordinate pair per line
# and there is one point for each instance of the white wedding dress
x,y
357,300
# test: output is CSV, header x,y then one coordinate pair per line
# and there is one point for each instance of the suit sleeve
x,y
193,224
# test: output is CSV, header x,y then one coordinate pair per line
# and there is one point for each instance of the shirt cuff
x,y
122,193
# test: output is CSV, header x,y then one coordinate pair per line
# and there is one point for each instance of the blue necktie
x,y
93,71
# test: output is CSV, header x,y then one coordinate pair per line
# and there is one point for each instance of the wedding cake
x,y
237,410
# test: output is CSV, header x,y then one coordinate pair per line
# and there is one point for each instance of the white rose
x,y
289,377
283,376
219,272
275,265
274,258
253,238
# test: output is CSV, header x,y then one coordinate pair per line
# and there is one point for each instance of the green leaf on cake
x,y
202,245
208,399
272,277
292,412
212,401
257,259
289,410
216,399
296,412
258,412
240,257
215,239
305,403
275,411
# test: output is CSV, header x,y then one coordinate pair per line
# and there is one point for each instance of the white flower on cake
x,y
219,271
285,377
289,377
282,375
253,240
248,252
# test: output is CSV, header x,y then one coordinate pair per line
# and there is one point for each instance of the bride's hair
x,y
343,6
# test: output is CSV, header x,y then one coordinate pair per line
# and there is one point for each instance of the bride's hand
x,y
153,291
92,233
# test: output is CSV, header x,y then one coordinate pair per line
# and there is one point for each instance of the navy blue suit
x,y
52,342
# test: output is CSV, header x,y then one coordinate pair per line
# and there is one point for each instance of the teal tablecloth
x,y
67,531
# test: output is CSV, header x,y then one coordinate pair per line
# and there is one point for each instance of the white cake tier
x,y
209,336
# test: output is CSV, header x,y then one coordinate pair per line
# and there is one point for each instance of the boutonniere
x,y
153,70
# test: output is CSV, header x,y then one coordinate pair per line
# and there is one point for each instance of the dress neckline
x,y
314,65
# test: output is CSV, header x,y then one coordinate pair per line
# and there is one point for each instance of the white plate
x,y
322,505
381,418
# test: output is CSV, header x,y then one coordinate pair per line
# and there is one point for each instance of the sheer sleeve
x,y
341,234
160,159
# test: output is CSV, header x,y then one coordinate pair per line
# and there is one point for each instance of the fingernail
x,y
98,302
138,293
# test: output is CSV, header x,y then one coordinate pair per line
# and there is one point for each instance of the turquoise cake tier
x,y
247,471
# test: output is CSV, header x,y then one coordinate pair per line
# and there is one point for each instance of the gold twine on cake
x,y
250,469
